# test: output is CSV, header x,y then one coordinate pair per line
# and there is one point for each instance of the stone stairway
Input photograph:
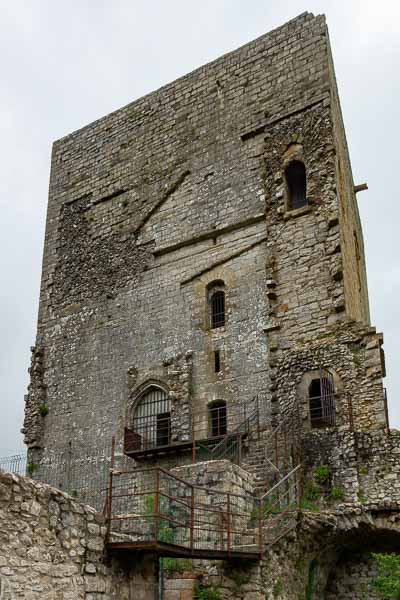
x,y
255,462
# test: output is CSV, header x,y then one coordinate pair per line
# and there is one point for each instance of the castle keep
x,y
204,298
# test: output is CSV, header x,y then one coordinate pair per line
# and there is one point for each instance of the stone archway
x,y
355,568
328,547
342,567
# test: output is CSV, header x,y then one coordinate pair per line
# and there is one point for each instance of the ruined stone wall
x,y
379,467
364,465
52,548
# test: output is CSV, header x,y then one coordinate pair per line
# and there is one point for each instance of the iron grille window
x,y
322,402
217,309
296,185
152,419
218,421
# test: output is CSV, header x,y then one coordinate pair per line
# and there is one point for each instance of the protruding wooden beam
x,y
360,188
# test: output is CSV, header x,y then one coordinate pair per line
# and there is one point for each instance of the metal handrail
x,y
280,482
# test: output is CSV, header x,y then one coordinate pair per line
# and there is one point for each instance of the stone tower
x,y
204,260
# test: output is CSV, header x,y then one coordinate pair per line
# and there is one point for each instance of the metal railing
x,y
217,425
282,448
230,446
151,508
280,506
15,463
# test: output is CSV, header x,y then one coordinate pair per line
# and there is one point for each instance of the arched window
x,y
296,182
218,423
216,304
152,418
321,394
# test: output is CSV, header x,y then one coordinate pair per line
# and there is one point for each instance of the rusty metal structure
x,y
215,434
153,510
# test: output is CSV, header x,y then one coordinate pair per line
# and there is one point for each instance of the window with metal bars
x,y
152,419
218,418
321,395
296,182
217,309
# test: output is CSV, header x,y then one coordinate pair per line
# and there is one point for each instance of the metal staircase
x,y
231,445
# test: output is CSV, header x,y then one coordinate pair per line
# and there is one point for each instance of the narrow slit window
x,y
217,361
296,182
217,309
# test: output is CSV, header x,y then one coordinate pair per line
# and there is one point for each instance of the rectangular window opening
x,y
217,361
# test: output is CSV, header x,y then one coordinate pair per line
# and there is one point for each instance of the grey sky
x,y
64,64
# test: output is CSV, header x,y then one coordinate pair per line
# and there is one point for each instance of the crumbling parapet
x,y
35,400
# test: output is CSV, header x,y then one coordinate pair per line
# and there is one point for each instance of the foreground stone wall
x,y
52,548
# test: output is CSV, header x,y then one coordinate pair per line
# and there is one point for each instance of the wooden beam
x,y
360,188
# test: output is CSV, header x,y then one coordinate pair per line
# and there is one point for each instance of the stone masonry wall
x,y
353,578
151,205
52,548
351,236
352,354
147,207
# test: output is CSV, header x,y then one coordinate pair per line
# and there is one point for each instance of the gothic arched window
x,y
152,418
296,182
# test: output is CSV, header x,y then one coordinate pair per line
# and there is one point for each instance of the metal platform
x,y
175,551
151,510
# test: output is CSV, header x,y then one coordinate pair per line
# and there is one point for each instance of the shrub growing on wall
x,y
387,583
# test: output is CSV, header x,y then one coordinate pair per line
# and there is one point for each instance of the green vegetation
x,y
322,475
165,531
32,468
239,578
361,497
336,494
387,583
176,565
356,352
203,592
312,572
277,589
319,488
312,492
43,410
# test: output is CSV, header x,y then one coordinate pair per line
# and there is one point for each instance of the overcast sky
x,y
64,64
